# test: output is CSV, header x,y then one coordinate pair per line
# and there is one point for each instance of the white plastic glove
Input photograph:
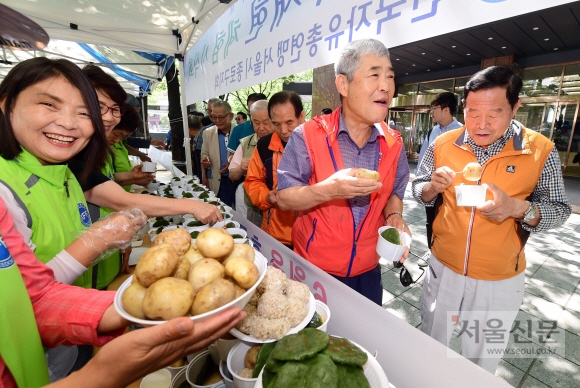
x,y
113,232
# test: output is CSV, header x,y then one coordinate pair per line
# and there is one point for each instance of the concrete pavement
x,y
552,293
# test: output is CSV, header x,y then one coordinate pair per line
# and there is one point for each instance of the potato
x,y
205,271
168,298
240,250
193,255
133,300
243,272
213,295
179,238
157,262
368,174
239,291
182,271
252,356
214,243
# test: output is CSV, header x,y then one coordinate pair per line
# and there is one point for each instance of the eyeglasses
x,y
115,110
434,108
215,117
405,276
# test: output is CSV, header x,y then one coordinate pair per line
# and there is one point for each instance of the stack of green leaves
x,y
312,359
392,236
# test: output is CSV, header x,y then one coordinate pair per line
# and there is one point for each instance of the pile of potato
x,y
176,278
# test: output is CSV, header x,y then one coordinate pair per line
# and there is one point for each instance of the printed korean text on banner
x,y
260,40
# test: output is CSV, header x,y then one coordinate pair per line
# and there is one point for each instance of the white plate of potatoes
x,y
259,260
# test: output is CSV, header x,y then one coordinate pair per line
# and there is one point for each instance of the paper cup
x,y
149,167
157,379
236,363
224,346
195,367
179,379
324,312
228,378
470,195
390,251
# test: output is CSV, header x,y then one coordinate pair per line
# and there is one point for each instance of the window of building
x,y
433,88
571,82
543,81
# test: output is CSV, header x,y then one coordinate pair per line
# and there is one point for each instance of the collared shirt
x,y
64,314
295,169
549,194
436,131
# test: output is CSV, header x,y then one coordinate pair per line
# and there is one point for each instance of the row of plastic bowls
x,y
229,354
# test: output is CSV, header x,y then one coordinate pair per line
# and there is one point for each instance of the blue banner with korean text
x,y
260,40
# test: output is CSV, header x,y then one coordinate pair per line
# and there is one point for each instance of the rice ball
x,y
297,290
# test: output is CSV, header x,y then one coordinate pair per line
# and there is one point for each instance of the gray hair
x,y
349,60
212,100
259,105
220,103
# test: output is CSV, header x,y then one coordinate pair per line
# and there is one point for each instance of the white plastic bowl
x,y
260,261
238,231
157,379
228,378
153,186
149,167
324,312
193,369
196,228
390,251
223,223
235,364
470,195
179,378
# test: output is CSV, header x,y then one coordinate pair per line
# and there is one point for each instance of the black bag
x,y
576,158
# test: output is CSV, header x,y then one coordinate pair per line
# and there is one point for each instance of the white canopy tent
x,y
122,36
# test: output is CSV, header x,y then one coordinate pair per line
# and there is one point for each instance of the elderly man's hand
x,y
502,206
441,179
271,198
343,184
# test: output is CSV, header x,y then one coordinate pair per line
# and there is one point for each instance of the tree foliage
x,y
238,98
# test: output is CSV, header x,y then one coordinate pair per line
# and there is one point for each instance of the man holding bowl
x,y
340,214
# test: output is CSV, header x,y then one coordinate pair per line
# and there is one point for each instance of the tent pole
x,y
184,115
144,118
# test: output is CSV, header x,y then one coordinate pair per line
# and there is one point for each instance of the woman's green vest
x,y
20,344
121,160
53,202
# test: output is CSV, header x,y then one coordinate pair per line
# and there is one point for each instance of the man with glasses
x,y
478,252
241,117
339,214
214,152
443,107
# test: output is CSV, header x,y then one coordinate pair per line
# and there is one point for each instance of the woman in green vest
x,y
49,115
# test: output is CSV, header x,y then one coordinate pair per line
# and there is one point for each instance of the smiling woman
x,y
50,116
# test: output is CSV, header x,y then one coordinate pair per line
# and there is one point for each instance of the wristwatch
x,y
530,214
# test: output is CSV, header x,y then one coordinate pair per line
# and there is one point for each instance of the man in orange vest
x,y
286,112
477,253
337,228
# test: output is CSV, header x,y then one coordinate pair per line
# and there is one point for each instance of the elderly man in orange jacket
x,y
286,112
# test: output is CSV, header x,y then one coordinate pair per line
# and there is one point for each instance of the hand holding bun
x,y
368,174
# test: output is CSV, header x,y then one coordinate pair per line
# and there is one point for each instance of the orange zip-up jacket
x,y
275,221
325,235
465,240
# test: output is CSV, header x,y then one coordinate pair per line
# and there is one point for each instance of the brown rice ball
x,y
274,280
297,290
246,324
272,305
265,329
297,311
255,298
246,373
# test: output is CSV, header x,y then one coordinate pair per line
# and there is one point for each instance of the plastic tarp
x,y
132,40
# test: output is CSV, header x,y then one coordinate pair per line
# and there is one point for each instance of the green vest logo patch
x,y
6,260
85,216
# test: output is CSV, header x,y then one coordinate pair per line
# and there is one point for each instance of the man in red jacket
x,y
341,214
